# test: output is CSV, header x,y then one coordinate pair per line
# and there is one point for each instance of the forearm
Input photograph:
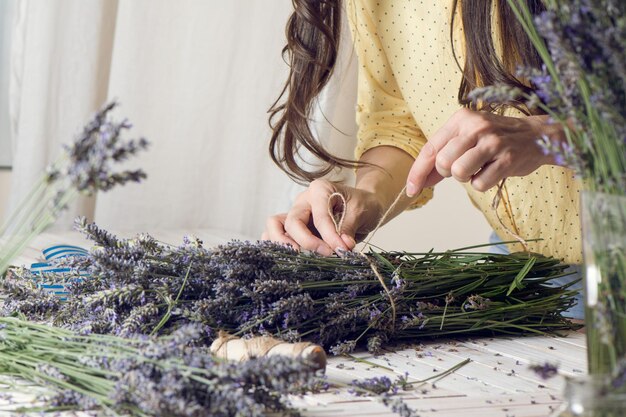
x,y
386,176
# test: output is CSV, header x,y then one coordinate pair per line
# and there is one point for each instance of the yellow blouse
x,y
408,85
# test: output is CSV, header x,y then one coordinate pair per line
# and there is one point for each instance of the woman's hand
x,y
481,148
309,225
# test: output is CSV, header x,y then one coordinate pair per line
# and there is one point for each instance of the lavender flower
x,y
582,85
383,388
376,385
26,298
545,371
343,347
89,165
476,302
172,376
92,154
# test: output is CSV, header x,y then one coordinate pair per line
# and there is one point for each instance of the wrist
x,y
384,176
379,185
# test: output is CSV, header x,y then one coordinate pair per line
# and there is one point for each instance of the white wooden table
x,y
496,381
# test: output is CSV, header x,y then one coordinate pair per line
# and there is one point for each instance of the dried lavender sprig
x,y
87,166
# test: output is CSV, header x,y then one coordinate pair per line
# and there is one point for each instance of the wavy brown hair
x,y
484,65
313,33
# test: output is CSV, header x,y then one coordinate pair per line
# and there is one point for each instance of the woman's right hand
x,y
308,225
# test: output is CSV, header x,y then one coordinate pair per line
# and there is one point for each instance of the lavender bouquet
x,y
144,286
582,87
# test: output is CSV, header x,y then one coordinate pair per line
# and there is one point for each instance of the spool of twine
x,y
237,349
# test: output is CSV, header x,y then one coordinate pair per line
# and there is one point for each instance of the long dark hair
x,y
313,33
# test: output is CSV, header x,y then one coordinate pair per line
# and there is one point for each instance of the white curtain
x,y
59,74
7,11
195,77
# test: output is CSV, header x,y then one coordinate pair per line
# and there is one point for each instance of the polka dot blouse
x,y
408,85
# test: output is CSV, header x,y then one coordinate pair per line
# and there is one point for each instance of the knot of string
x,y
338,219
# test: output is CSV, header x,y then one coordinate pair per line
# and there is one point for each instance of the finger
x,y
489,176
468,165
353,223
420,170
275,231
426,159
451,151
450,129
324,224
433,178
296,226
349,240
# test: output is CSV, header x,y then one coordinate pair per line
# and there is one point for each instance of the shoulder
x,y
389,18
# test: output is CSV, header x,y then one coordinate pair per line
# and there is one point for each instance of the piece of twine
x,y
384,218
499,197
338,222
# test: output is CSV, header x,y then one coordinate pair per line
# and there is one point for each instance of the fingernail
x,y
411,189
324,250
349,240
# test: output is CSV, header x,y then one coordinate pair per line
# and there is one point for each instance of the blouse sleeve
x,y
382,115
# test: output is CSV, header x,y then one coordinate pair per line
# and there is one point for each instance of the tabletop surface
x,y
496,381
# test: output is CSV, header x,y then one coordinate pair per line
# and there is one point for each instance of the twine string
x,y
497,198
382,283
255,347
383,218
342,213
372,265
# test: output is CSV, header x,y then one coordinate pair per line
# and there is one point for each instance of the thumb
x,y
349,240
357,225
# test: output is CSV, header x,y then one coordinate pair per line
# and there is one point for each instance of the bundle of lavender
x,y
168,376
144,286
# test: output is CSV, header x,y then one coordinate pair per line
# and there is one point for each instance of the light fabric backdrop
x,y
7,11
195,77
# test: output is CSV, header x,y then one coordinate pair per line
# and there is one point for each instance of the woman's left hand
x,y
482,148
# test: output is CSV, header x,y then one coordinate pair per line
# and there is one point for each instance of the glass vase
x,y
604,250
591,396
